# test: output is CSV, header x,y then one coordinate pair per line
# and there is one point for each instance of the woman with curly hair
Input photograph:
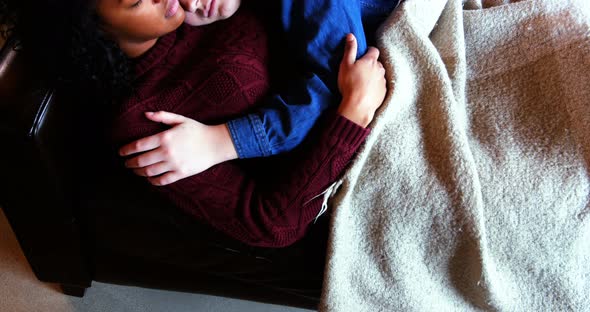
x,y
141,56
315,30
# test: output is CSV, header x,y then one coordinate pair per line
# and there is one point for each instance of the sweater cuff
x,y
346,131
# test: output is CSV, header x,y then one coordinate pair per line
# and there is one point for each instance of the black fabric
x,y
79,216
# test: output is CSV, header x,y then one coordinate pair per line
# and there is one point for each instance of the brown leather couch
x,y
79,217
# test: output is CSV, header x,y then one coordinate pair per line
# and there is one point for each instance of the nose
x,y
191,5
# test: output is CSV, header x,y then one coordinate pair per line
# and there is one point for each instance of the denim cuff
x,y
249,137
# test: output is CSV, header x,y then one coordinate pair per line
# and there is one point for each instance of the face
x,y
137,21
203,12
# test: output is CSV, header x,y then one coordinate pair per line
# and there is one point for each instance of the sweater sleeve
x,y
316,29
276,211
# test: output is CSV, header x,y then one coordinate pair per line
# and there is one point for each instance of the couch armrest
x,y
36,188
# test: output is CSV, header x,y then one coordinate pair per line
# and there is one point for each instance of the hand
x,y
361,82
188,148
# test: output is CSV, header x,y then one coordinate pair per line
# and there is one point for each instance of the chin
x,y
229,8
178,19
181,16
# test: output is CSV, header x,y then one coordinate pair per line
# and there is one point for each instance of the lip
x,y
173,6
211,8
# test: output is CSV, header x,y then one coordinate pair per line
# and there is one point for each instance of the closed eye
x,y
136,4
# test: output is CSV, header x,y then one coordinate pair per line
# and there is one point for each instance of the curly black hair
x,y
64,39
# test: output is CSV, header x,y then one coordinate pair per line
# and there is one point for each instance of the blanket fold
x,y
473,190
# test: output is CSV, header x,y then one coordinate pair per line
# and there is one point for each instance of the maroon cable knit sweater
x,y
214,73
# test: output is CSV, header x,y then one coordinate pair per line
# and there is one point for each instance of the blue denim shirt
x,y
316,30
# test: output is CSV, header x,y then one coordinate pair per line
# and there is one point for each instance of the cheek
x,y
154,25
226,10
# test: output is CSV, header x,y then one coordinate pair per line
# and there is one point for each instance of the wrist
x,y
226,149
354,112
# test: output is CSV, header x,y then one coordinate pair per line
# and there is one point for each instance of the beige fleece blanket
x,y
473,190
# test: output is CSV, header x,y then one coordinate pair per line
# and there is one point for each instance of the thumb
x,y
165,117
350,50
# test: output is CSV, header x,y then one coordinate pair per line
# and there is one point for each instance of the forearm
x,y
281,212
316,30
284,119
276,210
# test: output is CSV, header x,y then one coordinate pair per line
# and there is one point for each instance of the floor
x,y
20,291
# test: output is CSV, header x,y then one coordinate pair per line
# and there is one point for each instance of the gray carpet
x,y
20,291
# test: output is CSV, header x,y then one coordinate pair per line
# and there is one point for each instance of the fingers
x,y
381,68
152,142
141,145
350,50
145,159
153,170
165,117
165,179
372,54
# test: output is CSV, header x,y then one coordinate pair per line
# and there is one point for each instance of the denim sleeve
x,y
316,31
